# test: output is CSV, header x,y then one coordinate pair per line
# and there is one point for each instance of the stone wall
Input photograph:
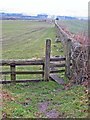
x,y
79,58
78,55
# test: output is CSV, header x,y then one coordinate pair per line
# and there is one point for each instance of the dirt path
x,y
43,108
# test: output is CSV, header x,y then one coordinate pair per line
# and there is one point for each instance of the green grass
x,y
27,97
26,40
75,26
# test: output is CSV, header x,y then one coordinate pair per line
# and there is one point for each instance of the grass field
x,y
75,26
26,39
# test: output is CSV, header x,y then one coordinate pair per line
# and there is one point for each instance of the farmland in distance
x,y
75,26
25,39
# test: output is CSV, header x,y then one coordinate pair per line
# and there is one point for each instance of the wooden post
x,y
47,60
13,75
43,71
68,57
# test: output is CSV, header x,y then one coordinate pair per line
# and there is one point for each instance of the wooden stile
x,y
46,64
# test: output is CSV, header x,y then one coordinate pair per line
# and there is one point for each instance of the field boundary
x,y
75,53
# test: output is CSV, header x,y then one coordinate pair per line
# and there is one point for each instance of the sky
x,y
50,7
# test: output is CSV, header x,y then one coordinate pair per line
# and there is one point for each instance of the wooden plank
x,y
22,62
57,59
32,72
29,72
20,81
56,78
47,60
57,65
57,71
29,62
23,72
5,72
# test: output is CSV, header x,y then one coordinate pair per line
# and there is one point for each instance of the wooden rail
x,y
22,62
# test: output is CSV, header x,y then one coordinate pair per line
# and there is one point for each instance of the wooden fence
x,y
47,63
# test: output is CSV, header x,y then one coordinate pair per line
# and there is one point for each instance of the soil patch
x,y
43,108
52,114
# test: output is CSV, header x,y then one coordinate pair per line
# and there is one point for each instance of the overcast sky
x,y
51,7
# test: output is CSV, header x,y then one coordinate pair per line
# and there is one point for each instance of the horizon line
x,y
1,11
